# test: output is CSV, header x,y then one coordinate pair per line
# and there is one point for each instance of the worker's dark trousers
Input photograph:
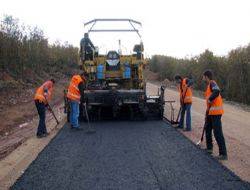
x,y
214,123
41,112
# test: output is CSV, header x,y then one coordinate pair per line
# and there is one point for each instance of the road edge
x,y
225,168
12,168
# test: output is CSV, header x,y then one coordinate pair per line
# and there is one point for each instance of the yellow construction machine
x,y
115,85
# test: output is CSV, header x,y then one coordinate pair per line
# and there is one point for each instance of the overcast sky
x,y
171,27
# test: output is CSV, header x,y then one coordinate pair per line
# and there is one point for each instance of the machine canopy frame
x,y
132,22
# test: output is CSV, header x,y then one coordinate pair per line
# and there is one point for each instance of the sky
x,y
180,28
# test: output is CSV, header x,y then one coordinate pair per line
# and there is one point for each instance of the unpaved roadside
x,y
236,127
14,165
19,145
19,122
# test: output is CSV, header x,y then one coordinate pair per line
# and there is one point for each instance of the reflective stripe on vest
x,y
40,94
73,90
74,95
216,107
184,90
187,98
74,86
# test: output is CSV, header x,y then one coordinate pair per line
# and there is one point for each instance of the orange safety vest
x,y
73,90
216,107
185,92
43,96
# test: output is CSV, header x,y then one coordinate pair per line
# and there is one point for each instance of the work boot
x,y
77,128
180,127
42,135
209,151
222,157
47,133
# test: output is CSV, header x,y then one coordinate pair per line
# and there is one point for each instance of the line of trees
x,y
232,72
27,57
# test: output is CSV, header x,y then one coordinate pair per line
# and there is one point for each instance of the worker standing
x,y
42,97
86,48
214,113
184,87
74,94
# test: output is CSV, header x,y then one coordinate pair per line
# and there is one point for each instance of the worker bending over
x,y
42,97
75,92
184,87
214,113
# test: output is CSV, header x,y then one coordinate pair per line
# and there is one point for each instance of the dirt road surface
x,y
19,122
126,155
236,127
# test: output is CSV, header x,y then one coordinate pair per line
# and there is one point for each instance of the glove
x,y
207,111
49,108
181,102
205,125
83,99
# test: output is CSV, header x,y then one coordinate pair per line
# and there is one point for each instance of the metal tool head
x,y
90,131
175,122
198,143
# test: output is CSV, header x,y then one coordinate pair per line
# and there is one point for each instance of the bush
x,y
26,55
231,72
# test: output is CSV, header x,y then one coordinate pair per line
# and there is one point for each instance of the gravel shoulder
x,y
236,126
19,122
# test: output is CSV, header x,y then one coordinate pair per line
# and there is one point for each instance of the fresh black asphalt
x,y
126,155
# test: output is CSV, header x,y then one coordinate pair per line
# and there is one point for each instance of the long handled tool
x,y
204,127
176,122
50,109
202,135
178,116
181,107
90,129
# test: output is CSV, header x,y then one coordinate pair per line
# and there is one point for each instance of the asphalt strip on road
x,y
126,155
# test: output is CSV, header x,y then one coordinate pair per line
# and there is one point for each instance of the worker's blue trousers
x,y
186,108
74,114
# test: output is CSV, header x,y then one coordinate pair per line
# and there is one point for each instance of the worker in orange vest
x,y
74,94
185,90
214,113
42,97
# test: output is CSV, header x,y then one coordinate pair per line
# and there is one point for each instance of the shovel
x,y
51,111
176,122
90,129
204,128
181,107
202,135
